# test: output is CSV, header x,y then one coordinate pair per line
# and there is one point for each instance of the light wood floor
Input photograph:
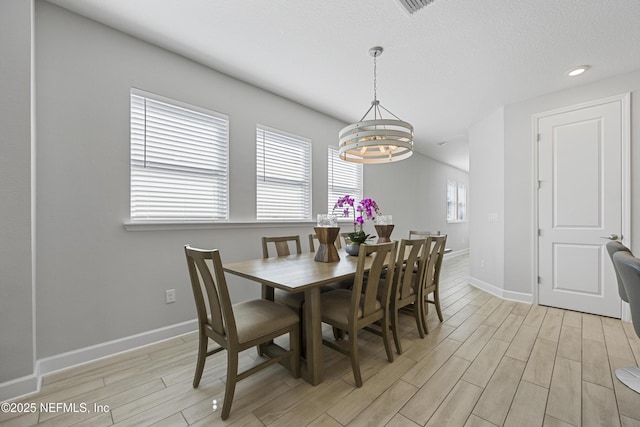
x,y
491,363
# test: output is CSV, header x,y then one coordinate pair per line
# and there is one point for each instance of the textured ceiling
x,y
444,67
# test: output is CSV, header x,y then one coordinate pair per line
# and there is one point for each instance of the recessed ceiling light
x,y
578,70
442,143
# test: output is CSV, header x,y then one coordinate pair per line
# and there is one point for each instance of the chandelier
x,y
376,140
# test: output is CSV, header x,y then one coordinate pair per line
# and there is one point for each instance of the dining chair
x,y
313,238
406,291
283,247
628,268
612,248
364,305
431,281
237,327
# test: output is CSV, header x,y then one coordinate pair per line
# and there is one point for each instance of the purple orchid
x,y
366,209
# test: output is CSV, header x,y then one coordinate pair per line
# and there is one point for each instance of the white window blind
x,y
179,161
456,202
344,178
462,202
452,213
283,172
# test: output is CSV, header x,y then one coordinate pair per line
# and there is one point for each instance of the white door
x,y
580,200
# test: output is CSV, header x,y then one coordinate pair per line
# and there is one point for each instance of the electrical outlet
x,y
481,263
170,296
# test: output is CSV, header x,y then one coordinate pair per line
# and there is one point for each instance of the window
x,y
456,202
344,178
283,171
179,161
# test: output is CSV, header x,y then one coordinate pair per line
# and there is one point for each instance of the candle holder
x,y
384,232
327,251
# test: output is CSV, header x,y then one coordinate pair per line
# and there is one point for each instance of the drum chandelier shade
x,y
376,140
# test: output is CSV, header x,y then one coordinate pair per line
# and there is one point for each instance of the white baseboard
x,y
19,387
456,253
501,293
31,384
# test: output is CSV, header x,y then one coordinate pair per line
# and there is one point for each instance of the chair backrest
x,y
612,248
442,239
417,234
410,268
313,238
629,268
281,245
434,261
364,296
211,294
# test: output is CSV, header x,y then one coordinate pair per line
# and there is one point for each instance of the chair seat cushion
x,y
260,317
335,305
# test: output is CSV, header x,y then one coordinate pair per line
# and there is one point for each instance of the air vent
x,y
412,6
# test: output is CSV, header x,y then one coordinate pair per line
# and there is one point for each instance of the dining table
x,y
300,273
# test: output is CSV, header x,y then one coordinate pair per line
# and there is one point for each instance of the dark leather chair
x,y
628,269
613,247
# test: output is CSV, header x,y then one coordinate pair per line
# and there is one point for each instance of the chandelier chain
x,y
375,77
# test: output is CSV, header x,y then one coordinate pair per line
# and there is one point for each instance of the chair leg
x,y
203,341
436,300
355,357
417,314
385,337
338,334
394,329
230,389
424,314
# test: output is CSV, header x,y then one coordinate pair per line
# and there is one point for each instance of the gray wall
x,y
414,191
486,172
16,205
98,282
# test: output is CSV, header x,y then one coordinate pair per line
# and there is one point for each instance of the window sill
x,y
456,221
168,225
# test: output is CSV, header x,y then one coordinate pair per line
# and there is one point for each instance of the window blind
x,y
283,176
344,178
179,161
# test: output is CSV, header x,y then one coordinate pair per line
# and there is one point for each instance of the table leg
x,y
313,331
268,293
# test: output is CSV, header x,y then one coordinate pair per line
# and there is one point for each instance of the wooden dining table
x,y
300,273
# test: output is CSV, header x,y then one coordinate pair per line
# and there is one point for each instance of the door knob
x,y
611,236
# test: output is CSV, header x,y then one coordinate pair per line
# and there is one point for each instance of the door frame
x,y
624,100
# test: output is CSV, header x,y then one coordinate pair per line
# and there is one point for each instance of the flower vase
x,y
353,249
384,232
327,251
